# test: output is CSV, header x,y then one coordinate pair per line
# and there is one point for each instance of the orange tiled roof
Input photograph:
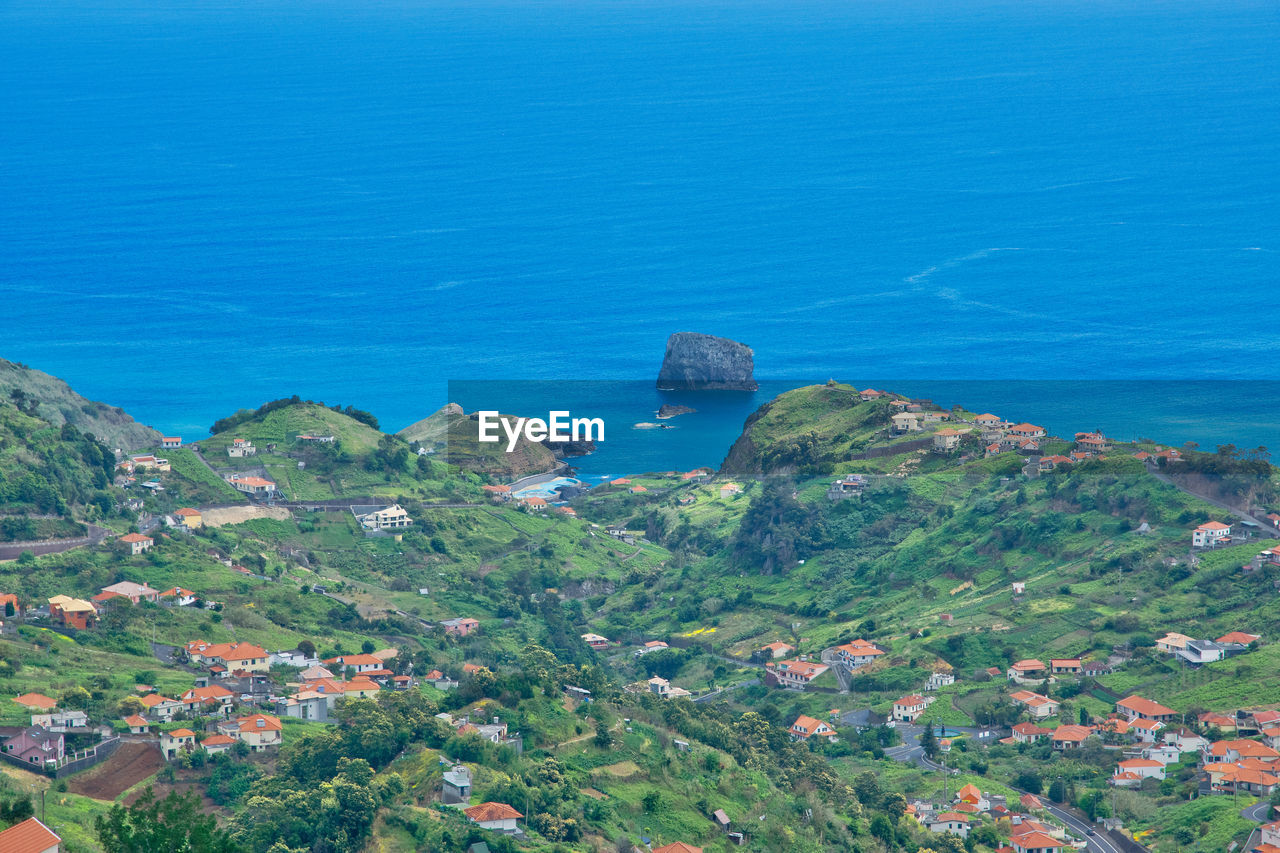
x,y
491,811
30,836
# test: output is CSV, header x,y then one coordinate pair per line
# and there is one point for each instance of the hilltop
x,y
56,403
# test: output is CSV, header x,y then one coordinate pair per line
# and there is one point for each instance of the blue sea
x,y
212,203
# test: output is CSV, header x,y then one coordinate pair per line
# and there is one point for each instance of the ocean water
x,y
212,203
1209,413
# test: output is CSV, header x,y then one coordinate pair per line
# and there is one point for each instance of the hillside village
x,y
1009,633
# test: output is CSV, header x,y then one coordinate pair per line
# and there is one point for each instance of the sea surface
x,y
207,204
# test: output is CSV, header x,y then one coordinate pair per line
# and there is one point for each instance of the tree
x,y
651,801
929,742
174,823
1058,791
1029,781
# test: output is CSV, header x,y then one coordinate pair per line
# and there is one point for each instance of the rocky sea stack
x,y
697,362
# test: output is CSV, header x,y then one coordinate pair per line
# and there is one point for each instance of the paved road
x,y
1259,812
1096,843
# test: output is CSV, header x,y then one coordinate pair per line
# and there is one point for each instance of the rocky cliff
x,y
697,362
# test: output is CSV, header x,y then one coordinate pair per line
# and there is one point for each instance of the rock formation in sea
x,y
698,362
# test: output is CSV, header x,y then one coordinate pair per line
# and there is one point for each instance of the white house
x,y
498,817
1211,534
909,708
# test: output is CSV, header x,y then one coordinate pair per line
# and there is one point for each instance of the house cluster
x,y
1199,652
972,807
258,732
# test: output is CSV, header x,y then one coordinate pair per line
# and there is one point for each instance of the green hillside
x,y
361,461
50,476
52,400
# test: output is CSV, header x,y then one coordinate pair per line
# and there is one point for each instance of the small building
x,y
457,785
777,650
36,702
795,673
1135,707
30,836
178,596
136,593
905,422
137,724
939,680
392,517
1025,430
189,518
35,746
160,707
317,439
1211,535
73,612
806,727
171,441
137,543
254,486
952,823
1173,642
909,708
258,731
729,490
596,641
241,447
460,627
177,741
1069,737
61,721
1065,666
1028,670
219,743
857,653
498,817
948,439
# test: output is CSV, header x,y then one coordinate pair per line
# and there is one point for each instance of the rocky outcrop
x,y
697,362
670,410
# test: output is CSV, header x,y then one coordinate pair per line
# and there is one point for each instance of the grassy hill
x,y
52,400
807,429
360,462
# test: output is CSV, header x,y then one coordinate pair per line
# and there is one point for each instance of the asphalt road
x,y
1096,843
1258,812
